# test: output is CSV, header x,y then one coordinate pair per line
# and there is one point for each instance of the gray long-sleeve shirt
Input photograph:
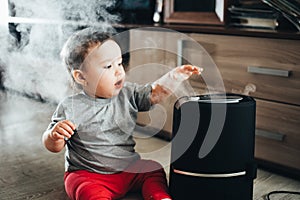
x,y
103,142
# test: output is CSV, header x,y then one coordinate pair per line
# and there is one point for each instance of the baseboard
x,y
278,169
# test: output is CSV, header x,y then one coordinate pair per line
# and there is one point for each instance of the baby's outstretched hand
x,y
62,129
189,70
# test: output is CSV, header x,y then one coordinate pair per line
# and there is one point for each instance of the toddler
x,y
96,124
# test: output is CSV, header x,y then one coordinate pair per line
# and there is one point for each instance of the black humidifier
x,y
212,155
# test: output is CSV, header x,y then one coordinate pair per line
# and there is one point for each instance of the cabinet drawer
x,y
264,68
280,141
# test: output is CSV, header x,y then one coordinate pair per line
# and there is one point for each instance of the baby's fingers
x,y
63,129
67,126
64,132
56,136
70,124
191,69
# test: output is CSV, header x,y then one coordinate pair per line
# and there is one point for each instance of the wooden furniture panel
x,y
148,63
237,57
280,137
275,86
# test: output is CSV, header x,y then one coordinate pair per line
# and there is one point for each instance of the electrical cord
x,y
280,192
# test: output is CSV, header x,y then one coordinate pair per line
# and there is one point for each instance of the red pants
x,y
85,185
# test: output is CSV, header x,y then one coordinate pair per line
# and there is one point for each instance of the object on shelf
x,y
158,11
254,22
290,9
256,15
195,12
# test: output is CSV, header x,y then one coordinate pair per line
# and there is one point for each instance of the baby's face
x,y
103,70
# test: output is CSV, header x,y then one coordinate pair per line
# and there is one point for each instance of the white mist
x,y
32,65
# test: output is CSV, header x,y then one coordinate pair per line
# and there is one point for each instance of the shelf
x,y
218,30
193,18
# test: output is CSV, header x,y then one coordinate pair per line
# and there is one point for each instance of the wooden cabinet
x,y
271,66
278,136
267,69
149,60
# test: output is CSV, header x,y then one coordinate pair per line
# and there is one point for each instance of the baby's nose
x,y
118,70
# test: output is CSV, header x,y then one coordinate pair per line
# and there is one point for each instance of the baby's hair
x,y
78,46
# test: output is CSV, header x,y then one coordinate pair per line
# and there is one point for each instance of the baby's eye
x,y
120,64
108,66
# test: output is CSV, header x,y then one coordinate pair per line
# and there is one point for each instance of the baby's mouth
x,y
119,83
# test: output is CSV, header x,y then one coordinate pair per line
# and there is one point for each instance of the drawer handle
x,y
270,135
269,71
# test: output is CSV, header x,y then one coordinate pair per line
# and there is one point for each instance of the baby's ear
x,y
79,77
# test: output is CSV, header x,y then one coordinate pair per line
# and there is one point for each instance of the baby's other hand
x,y
190,70
62,129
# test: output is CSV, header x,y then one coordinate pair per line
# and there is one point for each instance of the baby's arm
x,y
168,83
54,138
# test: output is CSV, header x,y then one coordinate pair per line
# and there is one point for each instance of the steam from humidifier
x,y
4,13
43,27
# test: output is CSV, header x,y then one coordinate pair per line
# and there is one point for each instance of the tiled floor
x,y
29,171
